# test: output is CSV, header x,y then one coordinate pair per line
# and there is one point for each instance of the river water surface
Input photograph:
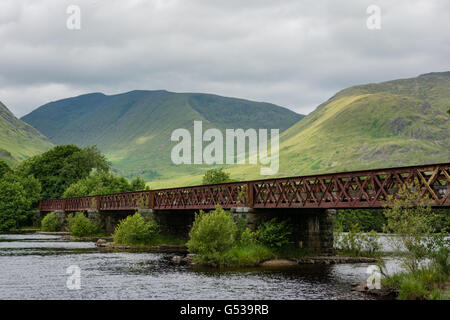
x,y
34,267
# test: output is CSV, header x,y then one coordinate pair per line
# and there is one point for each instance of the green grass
x,y
395,123
249,256
134,129
427,283
18,140
398,123
159,240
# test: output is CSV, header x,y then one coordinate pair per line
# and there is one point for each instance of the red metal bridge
x,y
358,189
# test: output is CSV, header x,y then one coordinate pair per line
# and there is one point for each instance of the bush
x,y
356,242
274,234
412,289
212,232
81,226
241,225
367,219
248,238
441,260
411,218
135,230
102,183
429,282
215,176
50,223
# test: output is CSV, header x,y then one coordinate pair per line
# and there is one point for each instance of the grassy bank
x,y
428,283
249,256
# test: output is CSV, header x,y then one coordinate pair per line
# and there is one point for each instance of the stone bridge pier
x,y
312,228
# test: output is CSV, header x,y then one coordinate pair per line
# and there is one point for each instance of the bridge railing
x,y
359,189
226,195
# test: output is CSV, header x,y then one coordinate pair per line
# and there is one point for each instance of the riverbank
x,y
189,259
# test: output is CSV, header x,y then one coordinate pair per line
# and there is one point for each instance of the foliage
x,y
237,256
135,230
356,242
366,219
410,217
426,283
18,196
241,225
62,166
273,233
247,238
137,184
81,226
4,168
221,242
98,183
50,223
215,176
212,232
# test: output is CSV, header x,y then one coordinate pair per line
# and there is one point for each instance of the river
x,y
34,267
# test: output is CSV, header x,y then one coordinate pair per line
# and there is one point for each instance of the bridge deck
x,y
359,189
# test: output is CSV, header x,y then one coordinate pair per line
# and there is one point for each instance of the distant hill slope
x,y
395,123
19,140
134,128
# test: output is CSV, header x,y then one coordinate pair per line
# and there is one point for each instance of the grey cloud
x,y
293,53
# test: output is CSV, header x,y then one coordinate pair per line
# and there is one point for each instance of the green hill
x,y
395,123
18,140
133,129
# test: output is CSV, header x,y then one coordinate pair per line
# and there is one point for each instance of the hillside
x,y
395,123
18,140
133,129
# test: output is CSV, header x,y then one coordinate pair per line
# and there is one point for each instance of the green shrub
x,y
429,282
413,221
241,225
135,230
274,234
215,176
248,238
441,259
81,226
412,289
212,232
367,219
50,223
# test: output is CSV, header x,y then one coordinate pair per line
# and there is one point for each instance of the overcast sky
x,y
295,54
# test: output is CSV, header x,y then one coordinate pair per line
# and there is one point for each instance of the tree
x,y
98,183
212,232
4,168
17,197
138,184
215,176
62,166
410,217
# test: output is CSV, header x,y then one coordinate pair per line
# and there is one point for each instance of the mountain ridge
x,y
19,140
134,128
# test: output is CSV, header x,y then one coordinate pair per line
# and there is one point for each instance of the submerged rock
x,y
101,243
278,263
384,292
